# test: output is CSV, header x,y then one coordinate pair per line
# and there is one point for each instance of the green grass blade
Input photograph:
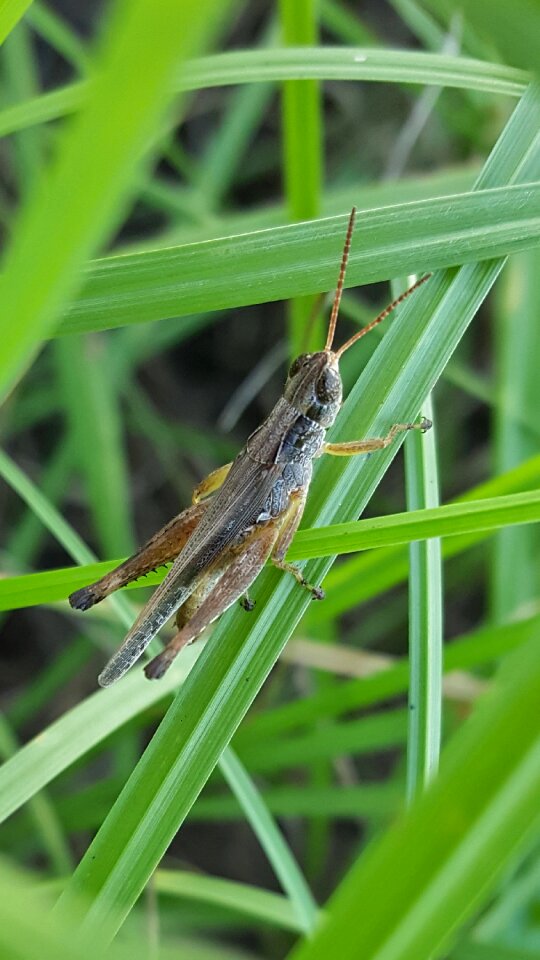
x,y
237,897
486,796
10,14
372,801
302,259
352,63
91,400
450,520
425,616
367,735
56,32
20,81
301,118
270,838
515,578
41,109
318,63
466,519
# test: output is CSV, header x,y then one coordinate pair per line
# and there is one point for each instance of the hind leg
x,y
163,547
236,572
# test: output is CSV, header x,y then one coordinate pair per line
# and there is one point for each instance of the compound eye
x,y
298,363
327,386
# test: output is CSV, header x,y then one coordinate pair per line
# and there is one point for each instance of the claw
x,y
84,598
247,604
157,668
317,593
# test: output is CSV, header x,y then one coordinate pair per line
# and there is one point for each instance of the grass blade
x,y
237,897
302,152
10,14
515,579
277,851
301,259
425,617
315,63
466,519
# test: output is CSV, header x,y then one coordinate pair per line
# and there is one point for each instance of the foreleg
x,y
352,447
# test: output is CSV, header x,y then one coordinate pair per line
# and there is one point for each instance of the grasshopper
x,y
244,513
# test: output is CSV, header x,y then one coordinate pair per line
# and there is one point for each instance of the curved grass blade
x,y
315,63
277,851
260,905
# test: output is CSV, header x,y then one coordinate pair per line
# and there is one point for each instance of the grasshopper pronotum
x,y
244,513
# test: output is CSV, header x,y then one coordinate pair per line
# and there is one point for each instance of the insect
x,y
244,513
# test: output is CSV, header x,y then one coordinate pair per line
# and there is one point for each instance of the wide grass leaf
x,y
301,259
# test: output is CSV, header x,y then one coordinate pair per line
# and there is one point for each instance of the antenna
x,y
382,316
341,279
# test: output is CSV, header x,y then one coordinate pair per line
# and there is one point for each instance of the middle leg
x,y
290,523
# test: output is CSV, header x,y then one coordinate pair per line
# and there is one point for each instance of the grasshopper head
x,y
314,386
314,383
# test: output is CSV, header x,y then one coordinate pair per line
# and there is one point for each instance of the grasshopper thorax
x,y
314,386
